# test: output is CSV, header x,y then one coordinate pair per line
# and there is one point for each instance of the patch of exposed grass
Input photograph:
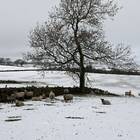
x,y
101,112
13,118
49,104
29,109
74,117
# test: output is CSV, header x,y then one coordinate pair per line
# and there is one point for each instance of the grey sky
x,y
18,17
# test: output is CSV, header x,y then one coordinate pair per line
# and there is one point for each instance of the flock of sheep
x,y
18,97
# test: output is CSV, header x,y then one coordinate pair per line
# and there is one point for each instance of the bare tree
x,y
19,62
73,37
123,60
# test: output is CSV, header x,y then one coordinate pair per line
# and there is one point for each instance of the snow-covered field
x,y
48,121
113,83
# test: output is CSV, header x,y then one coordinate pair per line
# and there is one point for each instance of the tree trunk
x,y
82,79
81,66
82,70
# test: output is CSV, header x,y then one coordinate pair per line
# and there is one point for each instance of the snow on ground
x,y
116,83
113,83
46,121
3,67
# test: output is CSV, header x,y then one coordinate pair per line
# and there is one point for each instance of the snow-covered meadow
x,y
113,83
46,121
84,118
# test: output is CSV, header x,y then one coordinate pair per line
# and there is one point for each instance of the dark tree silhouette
x,y
19,62
73,37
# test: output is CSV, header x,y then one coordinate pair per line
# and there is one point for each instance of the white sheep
x,y
129,93
68,97
37,98
66,91
52,95
11,98
20,95
105,102
19,103
29,94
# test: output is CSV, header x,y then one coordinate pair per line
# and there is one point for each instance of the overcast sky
x,y
18,17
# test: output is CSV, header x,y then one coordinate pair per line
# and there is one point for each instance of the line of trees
x,y
9,62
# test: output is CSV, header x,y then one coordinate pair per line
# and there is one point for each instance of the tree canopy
x,y
73,37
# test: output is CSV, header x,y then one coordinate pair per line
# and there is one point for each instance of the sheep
x,y
29,95
68,97
11,99
129,93
92,92
105,102
106,92
52,95
20,95
43,96
19,103
66,91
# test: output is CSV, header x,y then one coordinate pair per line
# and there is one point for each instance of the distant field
x,y
114,83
